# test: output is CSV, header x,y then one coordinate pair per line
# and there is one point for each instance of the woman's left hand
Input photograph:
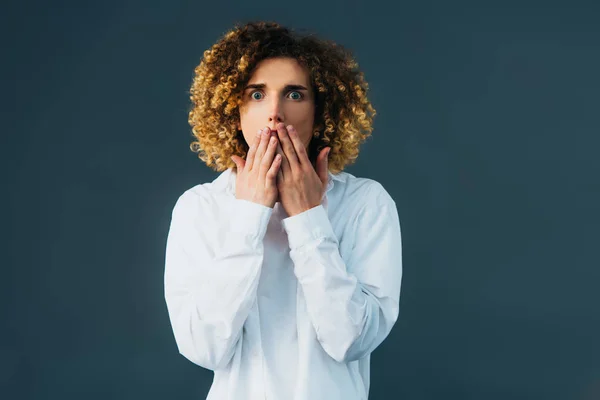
x,y
301,187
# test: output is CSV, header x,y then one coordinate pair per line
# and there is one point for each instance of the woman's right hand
x,y
256,176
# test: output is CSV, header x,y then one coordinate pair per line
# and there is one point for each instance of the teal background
x,y
487,137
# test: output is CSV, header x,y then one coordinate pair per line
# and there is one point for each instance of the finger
x,y
298,146
285,165
288,147
260,151
273,172
252,149
267,159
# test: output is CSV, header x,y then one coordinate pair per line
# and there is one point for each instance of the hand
x,y
300,186
256,176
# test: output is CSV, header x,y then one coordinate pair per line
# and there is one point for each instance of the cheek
x,y
251,119
305,129
246,126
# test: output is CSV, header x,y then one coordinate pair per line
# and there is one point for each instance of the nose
x,y
275,114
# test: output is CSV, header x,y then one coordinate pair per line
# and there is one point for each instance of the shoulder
x,y
204,197
198,200
366,191
373,210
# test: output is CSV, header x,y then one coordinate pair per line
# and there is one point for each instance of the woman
x,y
283,274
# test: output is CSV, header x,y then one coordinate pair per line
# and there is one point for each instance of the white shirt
x,y
284,307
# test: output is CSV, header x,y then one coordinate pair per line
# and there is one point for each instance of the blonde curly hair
x,y
343,114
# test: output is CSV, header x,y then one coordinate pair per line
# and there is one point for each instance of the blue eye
x,y
298,95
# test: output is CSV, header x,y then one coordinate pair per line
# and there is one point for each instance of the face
x,y
279,90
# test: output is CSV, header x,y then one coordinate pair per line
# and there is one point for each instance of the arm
x,y
212,269
352,312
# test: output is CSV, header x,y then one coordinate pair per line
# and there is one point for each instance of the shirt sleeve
x,y
352,312
212,268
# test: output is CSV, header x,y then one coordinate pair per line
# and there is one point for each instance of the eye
x,y
299,95
295,95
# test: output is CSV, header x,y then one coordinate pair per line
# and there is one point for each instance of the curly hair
x,y
343,114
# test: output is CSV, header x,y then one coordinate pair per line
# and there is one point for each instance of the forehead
x,y
280,72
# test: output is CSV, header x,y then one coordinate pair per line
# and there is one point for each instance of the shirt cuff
x,y
249,218
307,226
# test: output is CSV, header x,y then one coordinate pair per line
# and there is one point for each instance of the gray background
x,y
487,137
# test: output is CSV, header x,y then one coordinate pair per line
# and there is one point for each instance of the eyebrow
x,y
263,85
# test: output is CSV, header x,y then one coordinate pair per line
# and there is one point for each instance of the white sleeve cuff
x,y
308,226
250,218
